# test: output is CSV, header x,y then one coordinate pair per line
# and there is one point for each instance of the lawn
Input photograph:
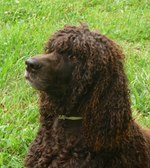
x,y
26,25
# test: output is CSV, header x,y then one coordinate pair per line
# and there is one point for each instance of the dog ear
x,y
107,114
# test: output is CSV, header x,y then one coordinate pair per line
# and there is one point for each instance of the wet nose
x,y
33,64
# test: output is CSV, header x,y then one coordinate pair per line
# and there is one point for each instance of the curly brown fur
x,y
82,74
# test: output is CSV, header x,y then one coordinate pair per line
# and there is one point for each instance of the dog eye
x,y
72,58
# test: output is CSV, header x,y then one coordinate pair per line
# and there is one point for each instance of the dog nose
x,y
32,64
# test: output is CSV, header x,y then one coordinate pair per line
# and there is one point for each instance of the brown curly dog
x,y
85,111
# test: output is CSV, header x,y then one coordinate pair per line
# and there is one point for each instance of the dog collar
x,y
63,117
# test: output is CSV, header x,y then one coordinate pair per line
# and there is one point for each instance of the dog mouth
x,y
32,79
29,77
36,81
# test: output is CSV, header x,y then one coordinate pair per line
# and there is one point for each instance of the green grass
x,y
24,28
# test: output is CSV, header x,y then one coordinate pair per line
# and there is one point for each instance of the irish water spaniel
x,y
85,111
